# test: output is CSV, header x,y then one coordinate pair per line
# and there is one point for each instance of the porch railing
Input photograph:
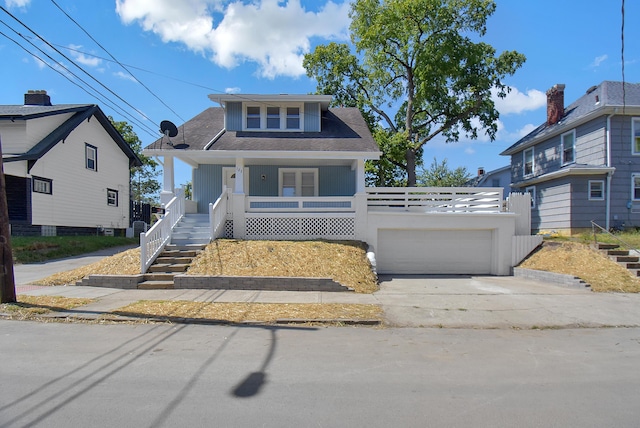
x,y
218,216
155,239
435,199
302,204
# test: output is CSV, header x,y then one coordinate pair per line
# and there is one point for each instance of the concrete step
x,y
627,259
168,268
618,252
155,285
202,241
171,260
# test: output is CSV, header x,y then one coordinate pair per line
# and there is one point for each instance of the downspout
x,y
609,174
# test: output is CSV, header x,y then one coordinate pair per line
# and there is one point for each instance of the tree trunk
x,y
7,282
411,167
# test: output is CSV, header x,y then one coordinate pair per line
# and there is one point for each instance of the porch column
x,y
168,186
239,183
360,176
238,201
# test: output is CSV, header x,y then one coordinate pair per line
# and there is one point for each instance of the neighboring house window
x,y
112,198
298,182
635,134
528,162
253,117
568,147
273,117
91,157
532,191
596,190
495,182
42,185
635,187
293,117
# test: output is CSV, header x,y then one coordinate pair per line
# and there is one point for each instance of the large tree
x,y
416,73
144,183
440,175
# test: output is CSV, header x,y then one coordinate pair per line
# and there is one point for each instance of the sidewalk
x,y
483,302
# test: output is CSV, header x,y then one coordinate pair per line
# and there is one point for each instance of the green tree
x,y
439,175
144,179
418,55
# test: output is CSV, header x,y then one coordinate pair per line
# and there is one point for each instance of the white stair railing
x,y
155,239
218,215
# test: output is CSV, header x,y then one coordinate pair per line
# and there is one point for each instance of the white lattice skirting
x,y
300,228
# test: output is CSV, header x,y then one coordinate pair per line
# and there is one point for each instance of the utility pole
x,y
7,281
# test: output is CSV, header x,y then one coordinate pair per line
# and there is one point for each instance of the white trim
x,y
524,162
633,186
573,147
298,180
261,154
563,173
589,190
635,133
532,191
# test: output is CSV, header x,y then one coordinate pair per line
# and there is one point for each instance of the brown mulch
x,y
577,259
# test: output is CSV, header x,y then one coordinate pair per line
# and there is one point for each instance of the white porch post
x,y
168,187
360,202
360,176
239,219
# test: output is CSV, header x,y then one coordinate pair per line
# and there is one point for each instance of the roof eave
x,y
565,172
266,154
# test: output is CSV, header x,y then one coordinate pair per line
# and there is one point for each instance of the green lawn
x,y
42,248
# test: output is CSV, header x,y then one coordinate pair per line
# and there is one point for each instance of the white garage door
x,y
404,251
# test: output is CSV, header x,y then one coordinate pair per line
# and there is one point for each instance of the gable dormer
x,y
273,113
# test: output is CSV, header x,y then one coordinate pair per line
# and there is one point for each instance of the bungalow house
x,y
290,167
500,177
66,168
583,163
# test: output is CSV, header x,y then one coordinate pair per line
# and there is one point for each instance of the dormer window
x,y
273,117
293,118
253,117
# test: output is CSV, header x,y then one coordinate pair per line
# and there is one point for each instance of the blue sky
x,y
182,50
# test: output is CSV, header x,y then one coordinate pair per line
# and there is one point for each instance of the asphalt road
x,y
80,375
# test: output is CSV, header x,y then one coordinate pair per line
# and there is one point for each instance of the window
x,y
253,117
112,198
495,182
532,191
298,182
293,118
273,117
635,134
528,162
568,147
42,185
596,190
635,187
91,157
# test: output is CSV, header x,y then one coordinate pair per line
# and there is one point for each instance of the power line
x,y
118,62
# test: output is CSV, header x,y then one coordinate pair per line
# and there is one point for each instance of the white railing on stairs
x,y
218,216
155,239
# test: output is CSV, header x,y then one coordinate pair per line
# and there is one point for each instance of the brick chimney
x,y
37,98
555,104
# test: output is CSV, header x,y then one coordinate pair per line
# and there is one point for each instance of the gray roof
x,y
343,129
12,112
609,94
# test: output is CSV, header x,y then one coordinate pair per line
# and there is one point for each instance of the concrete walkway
x,y
484,302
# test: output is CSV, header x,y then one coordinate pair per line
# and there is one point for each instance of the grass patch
x,y
243,312
582,261
31,307
345,262
27,249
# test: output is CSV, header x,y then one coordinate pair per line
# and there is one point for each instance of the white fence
x,y
155,239
435,199
303,204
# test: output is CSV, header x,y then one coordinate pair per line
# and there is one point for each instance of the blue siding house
x,y
583,163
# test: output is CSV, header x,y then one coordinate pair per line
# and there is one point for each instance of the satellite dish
x,y
168,128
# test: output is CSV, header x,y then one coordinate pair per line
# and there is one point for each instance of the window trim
x,y
590,190
524,162
253,116
531,190
563,149
292,117
633,186
109,203
298,180
635,134
46,181
87,149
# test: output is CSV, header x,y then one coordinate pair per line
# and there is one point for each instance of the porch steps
x,y
622,257
189,237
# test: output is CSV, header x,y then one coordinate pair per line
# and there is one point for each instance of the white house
x,y
291,167
66,168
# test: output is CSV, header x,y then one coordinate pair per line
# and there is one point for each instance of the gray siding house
x,y
583,163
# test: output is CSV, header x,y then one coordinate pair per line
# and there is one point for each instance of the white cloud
x,y
518,102
271,33
599,60
83,59
234,90
17,3
125,76
525,130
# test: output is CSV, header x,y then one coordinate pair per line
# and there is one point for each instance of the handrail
x,y
217,216
155,239
595,225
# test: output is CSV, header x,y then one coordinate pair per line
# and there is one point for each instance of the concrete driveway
x,y
500,302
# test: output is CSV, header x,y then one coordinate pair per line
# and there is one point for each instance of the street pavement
x,y
481,302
